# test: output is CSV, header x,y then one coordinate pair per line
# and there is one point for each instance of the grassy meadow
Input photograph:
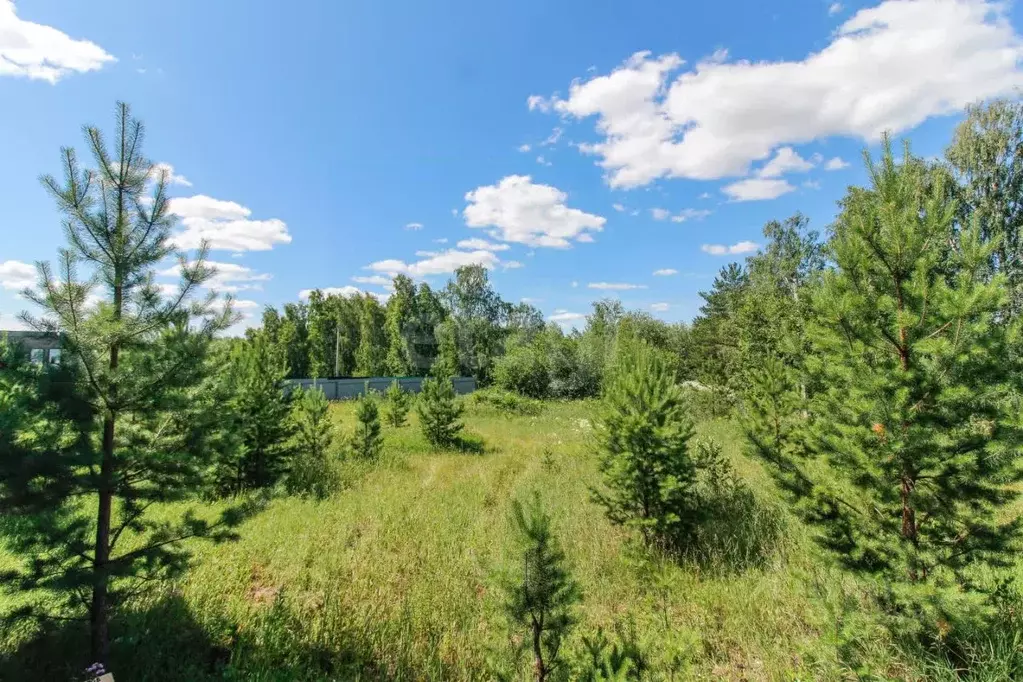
x,y
396,577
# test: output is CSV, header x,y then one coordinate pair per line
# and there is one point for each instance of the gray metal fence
x,y
345,389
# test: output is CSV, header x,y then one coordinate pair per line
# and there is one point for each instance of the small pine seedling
x,y
540,597
398,405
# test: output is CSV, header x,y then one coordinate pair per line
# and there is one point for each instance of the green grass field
x,y
395,578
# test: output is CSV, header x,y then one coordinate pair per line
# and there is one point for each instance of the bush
x,y
366,442
523,370
398,404
507,402
439,412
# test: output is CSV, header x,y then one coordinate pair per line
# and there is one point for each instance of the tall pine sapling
x,y
644,433
911,425
312,444
399,403
261,411
132,359
366,441
439,412
540,597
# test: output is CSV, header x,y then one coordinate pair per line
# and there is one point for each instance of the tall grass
x,y
395,577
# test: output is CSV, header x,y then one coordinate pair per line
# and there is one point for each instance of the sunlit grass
x,y
394,577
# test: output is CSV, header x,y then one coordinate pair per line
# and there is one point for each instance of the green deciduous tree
x,y
132,362
399,316
439,412
541,594
986,155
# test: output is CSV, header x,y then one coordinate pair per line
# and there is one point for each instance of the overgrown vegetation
x,y
865,522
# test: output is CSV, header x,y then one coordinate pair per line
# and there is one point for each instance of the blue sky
x,y
311,135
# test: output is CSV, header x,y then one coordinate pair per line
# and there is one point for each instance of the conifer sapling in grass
x,y
439,412
367,441
644,433
541,594
118,436
399,403
261,412
312,443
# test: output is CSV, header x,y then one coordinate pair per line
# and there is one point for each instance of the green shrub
x,y
523,370
439,412
507,402
398,404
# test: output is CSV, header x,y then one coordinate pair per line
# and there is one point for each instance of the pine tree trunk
x,y
538,663
98,617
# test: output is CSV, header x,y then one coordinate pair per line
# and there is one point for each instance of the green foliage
x,y
524,370
260,413
371,356
986,155
399,315
506,402
607,661
113,432
539,599
645,459
911,446
313,445
439,412
399,403
366,441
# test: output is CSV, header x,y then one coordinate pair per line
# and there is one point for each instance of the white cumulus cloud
x,y
756,189
889,67
17,275
436,263
665,272
39,52
659,307
225,224
723,250
614,286
786,160
521,211
836,164
229,278
172,177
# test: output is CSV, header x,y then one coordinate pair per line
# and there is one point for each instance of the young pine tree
x,y
132,361
261,414
312,444
540,597
399,403
439,412
912,421
645,459
367,441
